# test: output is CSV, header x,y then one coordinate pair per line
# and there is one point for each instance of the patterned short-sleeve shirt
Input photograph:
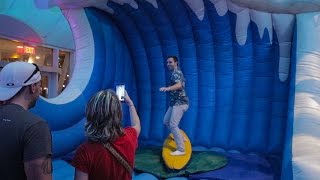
x,y
178,97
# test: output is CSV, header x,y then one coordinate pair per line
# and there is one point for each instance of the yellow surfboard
x,y
176,162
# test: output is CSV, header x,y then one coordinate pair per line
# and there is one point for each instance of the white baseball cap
x,y
15,75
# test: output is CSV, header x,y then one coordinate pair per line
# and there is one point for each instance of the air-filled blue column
x,y
206,79
164,29
155,61
188,61
243,62
138,53
264,67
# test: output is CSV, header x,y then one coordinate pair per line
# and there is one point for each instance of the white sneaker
x,y
177,153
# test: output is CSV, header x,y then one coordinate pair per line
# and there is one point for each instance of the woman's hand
x,y
127,99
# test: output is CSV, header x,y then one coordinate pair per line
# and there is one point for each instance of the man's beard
x,y
32,103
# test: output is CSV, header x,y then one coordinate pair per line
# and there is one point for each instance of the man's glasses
x,y
34,72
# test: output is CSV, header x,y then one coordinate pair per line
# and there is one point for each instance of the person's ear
x,y
33,88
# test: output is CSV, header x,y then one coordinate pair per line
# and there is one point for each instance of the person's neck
x,y
21,103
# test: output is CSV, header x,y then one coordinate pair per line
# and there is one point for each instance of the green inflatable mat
x,y
149,160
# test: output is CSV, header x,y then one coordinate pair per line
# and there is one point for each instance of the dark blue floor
x,y
245,167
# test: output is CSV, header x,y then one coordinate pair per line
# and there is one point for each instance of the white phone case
x,y
120,89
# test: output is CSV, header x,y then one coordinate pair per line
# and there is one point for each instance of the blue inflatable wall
x,y
240,68
238,100
251,70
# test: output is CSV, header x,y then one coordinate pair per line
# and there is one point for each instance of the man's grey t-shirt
x,y
23,137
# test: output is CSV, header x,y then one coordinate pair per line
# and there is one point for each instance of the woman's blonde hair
x,y
104,114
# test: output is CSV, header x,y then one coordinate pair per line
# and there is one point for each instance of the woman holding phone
x,y
110,149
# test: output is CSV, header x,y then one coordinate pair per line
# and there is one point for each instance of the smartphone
x,y
120,90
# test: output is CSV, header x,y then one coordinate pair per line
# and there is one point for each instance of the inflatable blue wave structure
x,y
237,63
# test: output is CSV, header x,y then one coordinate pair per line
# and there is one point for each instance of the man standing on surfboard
x,y
179,103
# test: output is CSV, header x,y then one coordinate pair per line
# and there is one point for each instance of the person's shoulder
x,y
24,116
33,121
32,118
178,71
83,146
130,137
130,131
89,145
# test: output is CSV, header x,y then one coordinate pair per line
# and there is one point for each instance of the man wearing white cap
x,y
25,139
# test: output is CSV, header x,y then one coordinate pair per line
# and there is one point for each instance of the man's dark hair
x,y
174,58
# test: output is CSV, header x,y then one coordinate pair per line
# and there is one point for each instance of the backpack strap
x,y
122,161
